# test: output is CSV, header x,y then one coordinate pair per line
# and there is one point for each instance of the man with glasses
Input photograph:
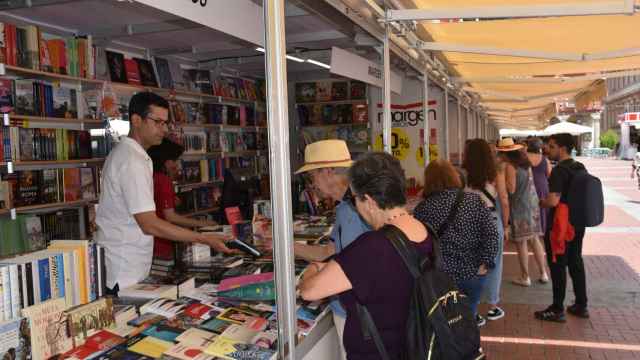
x,y
126,215
326,164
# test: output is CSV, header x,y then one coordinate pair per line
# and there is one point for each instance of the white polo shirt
x,y
127,189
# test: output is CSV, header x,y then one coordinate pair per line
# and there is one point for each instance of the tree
x,y
609,139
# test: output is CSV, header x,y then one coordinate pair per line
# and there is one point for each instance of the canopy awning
x,y
567,127
528,62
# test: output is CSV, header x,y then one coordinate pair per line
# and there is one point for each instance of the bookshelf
x,y
16,70
49,207
24,120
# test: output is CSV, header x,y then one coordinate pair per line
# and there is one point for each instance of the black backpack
x,y
440,323
584,197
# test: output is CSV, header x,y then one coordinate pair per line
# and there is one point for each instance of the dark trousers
x,y
573,260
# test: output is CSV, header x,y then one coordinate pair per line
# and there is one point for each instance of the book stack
x,y
35,187
22,144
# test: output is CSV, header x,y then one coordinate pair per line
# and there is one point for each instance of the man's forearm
x,y
313,252
189,222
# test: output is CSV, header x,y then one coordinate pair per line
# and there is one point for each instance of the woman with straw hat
x,y
524,209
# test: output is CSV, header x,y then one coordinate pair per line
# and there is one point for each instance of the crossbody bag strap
x,y
452,214
490,197
370,331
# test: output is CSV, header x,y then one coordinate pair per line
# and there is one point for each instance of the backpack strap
x,y
452,213
370,331
490,197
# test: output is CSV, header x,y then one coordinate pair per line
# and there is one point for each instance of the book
x,y
323,91
47,329
305,92
117,70
199,81
72,184
196,337
6,96
231,349
147,74
240,281
164,72
239,333
103,340
24,96
161,306
339,90
12,342
358,90
28,188
149,291
133,73
188,352
87,184
65,102
198,311
85,320
150,346
161,332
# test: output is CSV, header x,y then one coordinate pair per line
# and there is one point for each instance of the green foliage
x,y
609,139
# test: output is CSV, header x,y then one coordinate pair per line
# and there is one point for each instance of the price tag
x,y
13,214
10,167
5,119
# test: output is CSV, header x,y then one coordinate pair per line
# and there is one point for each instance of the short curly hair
x,y
380,176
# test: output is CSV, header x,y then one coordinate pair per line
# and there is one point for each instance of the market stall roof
x,y
527,62
567,127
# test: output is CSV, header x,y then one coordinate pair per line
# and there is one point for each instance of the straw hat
x,y
326,154
507,144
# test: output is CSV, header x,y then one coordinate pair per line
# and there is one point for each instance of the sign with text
x,y
243,19
356,67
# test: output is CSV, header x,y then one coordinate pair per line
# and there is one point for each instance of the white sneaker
x,y
495,314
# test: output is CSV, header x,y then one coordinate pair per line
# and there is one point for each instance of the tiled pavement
x,y
612,259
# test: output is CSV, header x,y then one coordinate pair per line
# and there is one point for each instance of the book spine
x,y
68,282
28,266
6,292
35,272
60,280
2,290
44,272
23,285
53,278
15,291
93,271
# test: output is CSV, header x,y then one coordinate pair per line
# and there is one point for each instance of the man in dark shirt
x,y
560,147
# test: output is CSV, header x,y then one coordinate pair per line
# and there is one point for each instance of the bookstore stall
x,y
248,88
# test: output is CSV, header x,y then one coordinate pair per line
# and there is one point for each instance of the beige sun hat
x,y
326,154
507,144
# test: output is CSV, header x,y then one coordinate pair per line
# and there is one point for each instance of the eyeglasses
x,y
159,122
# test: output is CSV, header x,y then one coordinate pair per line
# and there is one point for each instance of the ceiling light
x,y
260,49
318,63
296,59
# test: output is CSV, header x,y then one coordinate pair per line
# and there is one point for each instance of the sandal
x,y
522,282
544,279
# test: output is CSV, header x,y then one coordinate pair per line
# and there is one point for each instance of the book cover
x,y
35,237
150,346
200,81
117,70
6,95
47,323
44,272
239,333
72,185
85,320
344,114
164,72
65,102
231,349
358,90
305,92
24,95
339,90
360,114
196,337
28,188
188,352
216,326
237,316
49,186
11,341
147,74
26,144
323,91
87,183
198,311
165,333
103,340
133,73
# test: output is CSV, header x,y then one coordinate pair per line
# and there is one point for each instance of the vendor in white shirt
x,y
126,215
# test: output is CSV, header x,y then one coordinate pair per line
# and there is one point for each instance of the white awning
x,y
567,127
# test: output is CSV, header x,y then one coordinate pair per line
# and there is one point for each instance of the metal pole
x,y
446,125
386,120
459,129
280,174
425,111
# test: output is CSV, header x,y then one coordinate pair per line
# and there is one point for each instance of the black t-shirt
x,y
560,180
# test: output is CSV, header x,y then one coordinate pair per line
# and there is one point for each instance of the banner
x,y
407,134
355,67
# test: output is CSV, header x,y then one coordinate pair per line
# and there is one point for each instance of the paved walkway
x,y
612,259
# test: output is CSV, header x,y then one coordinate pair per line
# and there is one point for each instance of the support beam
x,y
497,94
280,173
143,29
26,4
446,151
620,7
435,46
547,80
386,119
425,112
